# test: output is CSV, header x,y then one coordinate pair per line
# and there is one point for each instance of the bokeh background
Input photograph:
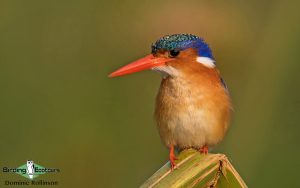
x,y
59,108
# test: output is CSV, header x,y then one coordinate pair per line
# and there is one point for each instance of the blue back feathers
x,y
182,42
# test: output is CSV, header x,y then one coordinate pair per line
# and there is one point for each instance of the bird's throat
x,y
166,71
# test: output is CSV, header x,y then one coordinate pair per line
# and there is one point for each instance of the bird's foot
x,y
204,149
172,158
172,162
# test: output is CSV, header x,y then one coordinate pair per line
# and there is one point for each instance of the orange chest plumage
x,y
192,109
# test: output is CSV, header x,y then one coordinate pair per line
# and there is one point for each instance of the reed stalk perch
x,y
197,170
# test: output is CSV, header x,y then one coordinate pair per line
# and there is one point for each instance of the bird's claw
x,y
173,165
172,162
204,149
172,157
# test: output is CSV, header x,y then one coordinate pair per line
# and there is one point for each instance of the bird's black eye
x,y
174,53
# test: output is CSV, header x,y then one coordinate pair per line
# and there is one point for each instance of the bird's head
x,y
171,55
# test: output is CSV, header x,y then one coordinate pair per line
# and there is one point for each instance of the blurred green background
x,y
58,108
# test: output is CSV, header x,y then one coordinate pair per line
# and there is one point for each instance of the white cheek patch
x,y
206,61
166,71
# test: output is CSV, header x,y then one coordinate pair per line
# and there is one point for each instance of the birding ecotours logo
x,y
30,170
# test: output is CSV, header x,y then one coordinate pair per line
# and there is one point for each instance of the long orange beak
x,y
144,63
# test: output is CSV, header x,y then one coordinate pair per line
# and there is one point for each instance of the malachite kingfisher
x,y
193,105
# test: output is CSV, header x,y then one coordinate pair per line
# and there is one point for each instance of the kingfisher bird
x,y
193,106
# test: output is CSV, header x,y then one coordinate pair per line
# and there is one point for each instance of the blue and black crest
x,y
182,42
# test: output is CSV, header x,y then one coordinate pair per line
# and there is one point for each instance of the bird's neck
x,y
191,85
